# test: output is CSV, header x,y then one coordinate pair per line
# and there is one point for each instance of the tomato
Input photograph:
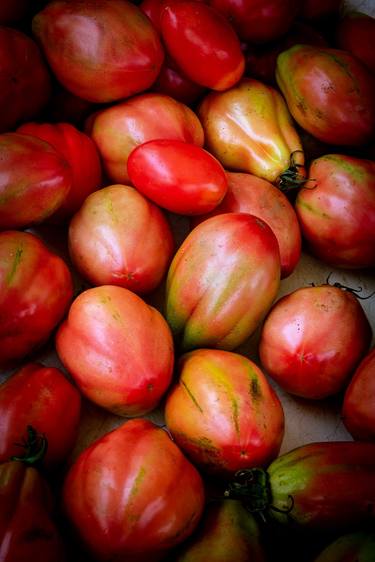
x,y
249,129
353,546
81,154
227,532
36,288
172,82
329,93
203,43
120,128
313,339
118,349
354,33
39,396
337,215
178,176
250,194
222,281
358,411
119,237
223,413
100,51
24,79
132,495
321,486
34,180
259,21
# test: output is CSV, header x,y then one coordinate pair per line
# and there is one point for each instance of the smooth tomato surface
x,y
355,32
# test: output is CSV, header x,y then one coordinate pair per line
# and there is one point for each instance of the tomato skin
x,y
358,409
24,79
117,130
156,489
36,288
232,254
313,339
337,216
354,546
80,152
248,128
203,43
354,33
41,397
214,418
35,179
329,93
129,375
119,237
178,176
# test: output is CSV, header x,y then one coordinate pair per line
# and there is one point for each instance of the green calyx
x,y
35,447
252,487
292,178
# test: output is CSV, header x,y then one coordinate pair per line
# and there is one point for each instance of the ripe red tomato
x,y
40,397
313,339
118,349
119,237
100,51
132,495
35,290
178,176
354,33
203,43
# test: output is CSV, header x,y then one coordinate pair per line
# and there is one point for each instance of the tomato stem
x,y
292,178
35,446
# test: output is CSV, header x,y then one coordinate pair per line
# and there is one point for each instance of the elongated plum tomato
x,y
358,409
249,194
223,412
313,339
178,176
222,281
119,237
132,495
203,43
43,398
118,349
110,43
249,129
36,288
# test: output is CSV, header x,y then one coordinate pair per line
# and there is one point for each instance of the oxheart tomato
x,y
352,546
118,349
313,339
337,215
24,79
80,152
222,281
41,397
119,237
223,412
118,129
36,288
102,50
329,93
203,43
178,176
358,409
132,495
34,180
354,33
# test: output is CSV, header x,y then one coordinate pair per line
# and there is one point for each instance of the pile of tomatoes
x,y
168,169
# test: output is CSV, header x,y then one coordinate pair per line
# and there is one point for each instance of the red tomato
x,y
203,43
178,176
132,495
119,237
354,33
24,79
337,216
35,290
34,180
100,51
223,413
358,410
81,154
120,128
313,339
40,397
118,349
